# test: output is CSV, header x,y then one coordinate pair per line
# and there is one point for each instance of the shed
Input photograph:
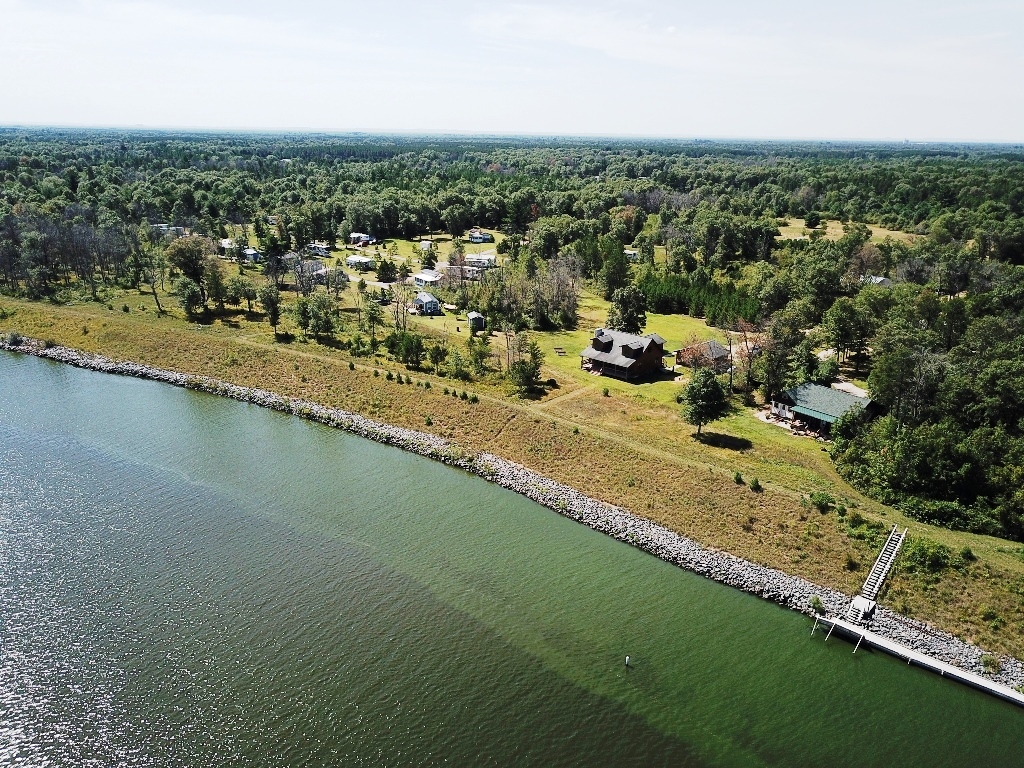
x,y
705,354
477,322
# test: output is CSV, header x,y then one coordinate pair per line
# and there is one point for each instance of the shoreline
x,y
792,592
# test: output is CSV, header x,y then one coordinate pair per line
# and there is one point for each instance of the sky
x,y
934,70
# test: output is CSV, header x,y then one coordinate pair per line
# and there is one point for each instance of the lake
x,y
187,580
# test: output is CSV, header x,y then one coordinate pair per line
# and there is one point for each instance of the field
x,y
794,229
630,447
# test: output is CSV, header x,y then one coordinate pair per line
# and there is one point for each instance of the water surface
x,y
188,580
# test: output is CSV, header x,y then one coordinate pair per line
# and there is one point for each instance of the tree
x,y
321,315
387,272
189,296
615,272
524,370
188,256
302,314
704,399
812,219
373,314
270,298
628,312
216,289
239,289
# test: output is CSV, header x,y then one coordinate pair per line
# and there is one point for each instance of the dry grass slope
x,y
630,448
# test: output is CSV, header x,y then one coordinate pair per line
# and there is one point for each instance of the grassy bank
x,y
629,448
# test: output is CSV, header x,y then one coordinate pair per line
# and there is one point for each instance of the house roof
x,y
823,403
473,315
619,339
359,259
427,275
424,298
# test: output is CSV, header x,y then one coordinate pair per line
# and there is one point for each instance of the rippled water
x,y
186,580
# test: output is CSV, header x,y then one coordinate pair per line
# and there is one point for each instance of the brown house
x,y
623,355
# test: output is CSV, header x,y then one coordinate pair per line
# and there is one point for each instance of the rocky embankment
x,y
790,591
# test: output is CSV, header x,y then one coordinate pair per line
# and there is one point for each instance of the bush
x,y
575,430
816,605
967,555
351,365
737,478
604,392
49,344
14,339
399,379
445,391
426,385
991,664
429,421
464,395
390,376
926,556
822,501
124,308
376,373
474,399
755,485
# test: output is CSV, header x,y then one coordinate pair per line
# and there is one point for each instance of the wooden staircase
x,y
860,610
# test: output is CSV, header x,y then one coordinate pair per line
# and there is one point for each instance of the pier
x,y
863,606
868,638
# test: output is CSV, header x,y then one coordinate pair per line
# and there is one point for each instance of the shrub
x,y
464,395
351,365
474,399
822,501
926,556
426,385
376,373
124,308
575,430
816,605
49,344
604,392
429,421
991,664
737,478
445,391
755,485
14,339
390,376
967,555
399,379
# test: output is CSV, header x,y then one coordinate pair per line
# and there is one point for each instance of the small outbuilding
x,y
426,304
477,322
705,354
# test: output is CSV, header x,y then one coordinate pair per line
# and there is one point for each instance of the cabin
x,y
361,263
817,406
705,354
227,244
623,355
478,236
252,255
426,278
426,246
426,304
477,322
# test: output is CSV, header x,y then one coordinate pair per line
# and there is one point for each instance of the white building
x,y
426,278
362,263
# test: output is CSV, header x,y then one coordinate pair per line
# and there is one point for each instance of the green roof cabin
x,y
816,405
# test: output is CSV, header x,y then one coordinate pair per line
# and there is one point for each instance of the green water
x,y
186,580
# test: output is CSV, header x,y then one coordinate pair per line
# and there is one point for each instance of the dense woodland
x,y
942,349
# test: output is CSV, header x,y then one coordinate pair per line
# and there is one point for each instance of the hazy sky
x,y
934,69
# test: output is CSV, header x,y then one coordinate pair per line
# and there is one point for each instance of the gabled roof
x,y
423,298
473,315
619,339
823,403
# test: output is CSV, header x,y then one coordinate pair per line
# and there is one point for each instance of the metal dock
x,y
920,659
